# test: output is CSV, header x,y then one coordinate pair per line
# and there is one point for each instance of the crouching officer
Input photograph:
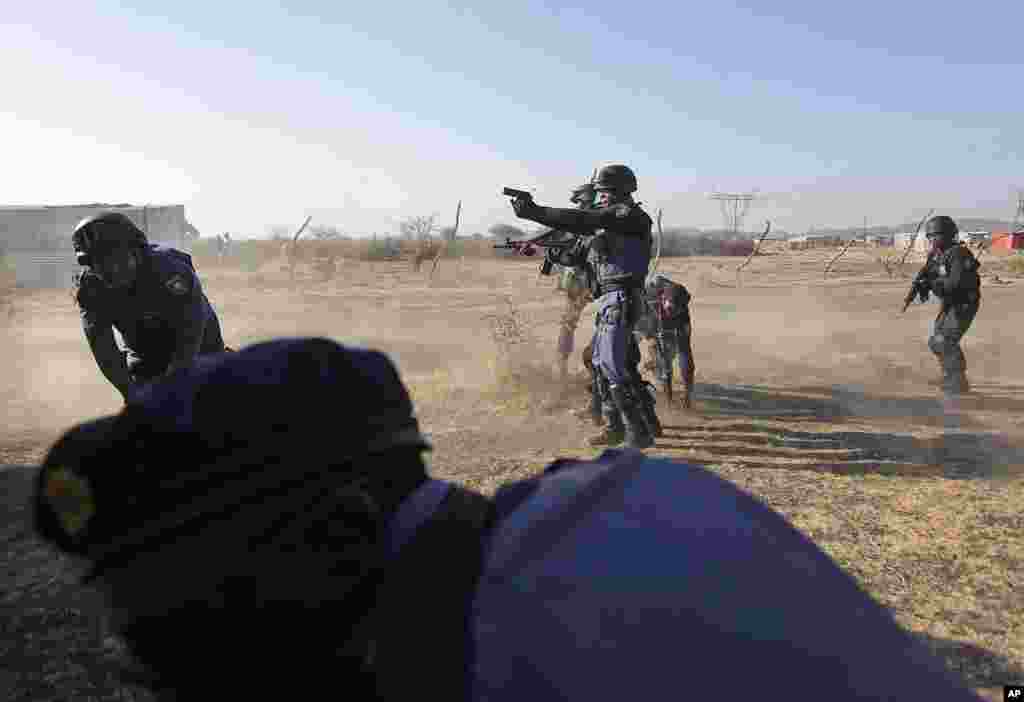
x,y
953,276
224,508
150,294
619,253
668,329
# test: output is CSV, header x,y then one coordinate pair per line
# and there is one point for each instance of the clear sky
x,y
360,114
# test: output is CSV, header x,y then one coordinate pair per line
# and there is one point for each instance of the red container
x,y
1007,241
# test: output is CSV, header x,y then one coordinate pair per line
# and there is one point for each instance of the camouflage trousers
x,y
576,302
950,326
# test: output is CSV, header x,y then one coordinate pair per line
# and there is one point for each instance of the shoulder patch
x,y
622,211
178,284
70,496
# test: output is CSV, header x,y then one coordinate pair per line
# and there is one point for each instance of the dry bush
x,y
524,374
7,291
1016,264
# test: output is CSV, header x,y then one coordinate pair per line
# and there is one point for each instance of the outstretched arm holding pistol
x,y
577,221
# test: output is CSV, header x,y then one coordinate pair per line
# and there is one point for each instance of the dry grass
x,y
255,253
944,555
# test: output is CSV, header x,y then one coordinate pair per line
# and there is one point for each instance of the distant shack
x,y
36,239
814,241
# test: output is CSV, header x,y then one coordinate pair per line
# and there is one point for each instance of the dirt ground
x,y
811,394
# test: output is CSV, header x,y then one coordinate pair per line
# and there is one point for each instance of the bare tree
x,y
419,228
279,232
325,232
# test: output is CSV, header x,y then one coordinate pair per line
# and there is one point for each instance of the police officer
x,y
620,253
150,294
668,329
953,277
223,508
575,281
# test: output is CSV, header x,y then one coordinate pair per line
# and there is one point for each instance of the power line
x,y
1018,217
734,208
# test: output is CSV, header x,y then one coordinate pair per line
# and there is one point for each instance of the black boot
x,y
614,432
650,414
637,435
595,406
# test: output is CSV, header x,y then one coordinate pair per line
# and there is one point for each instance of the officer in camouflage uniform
x,y
668,314
573,281
953,277
619,254
149,293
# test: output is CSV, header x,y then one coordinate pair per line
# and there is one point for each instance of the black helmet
x,y
583,194
104,232
616,177
942,226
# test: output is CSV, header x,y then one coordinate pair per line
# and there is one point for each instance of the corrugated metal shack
x,y
37,239
814,241
903,239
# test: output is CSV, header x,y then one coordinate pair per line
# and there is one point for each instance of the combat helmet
x,y
616,177
583,194
104,232
943,228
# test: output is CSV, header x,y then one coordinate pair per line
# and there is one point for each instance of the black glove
x,y
523,207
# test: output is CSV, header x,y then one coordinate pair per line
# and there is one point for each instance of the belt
x,y
625,286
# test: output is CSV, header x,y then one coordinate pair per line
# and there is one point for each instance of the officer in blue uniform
x,y
296,549
149,293
620,254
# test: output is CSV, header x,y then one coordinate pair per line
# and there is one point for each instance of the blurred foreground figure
x,y
149,293
252,544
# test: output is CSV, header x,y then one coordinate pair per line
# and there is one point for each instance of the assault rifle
x,y
556,242
659,342
920,286
655,307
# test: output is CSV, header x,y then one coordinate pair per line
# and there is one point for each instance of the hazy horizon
x,y
362,116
